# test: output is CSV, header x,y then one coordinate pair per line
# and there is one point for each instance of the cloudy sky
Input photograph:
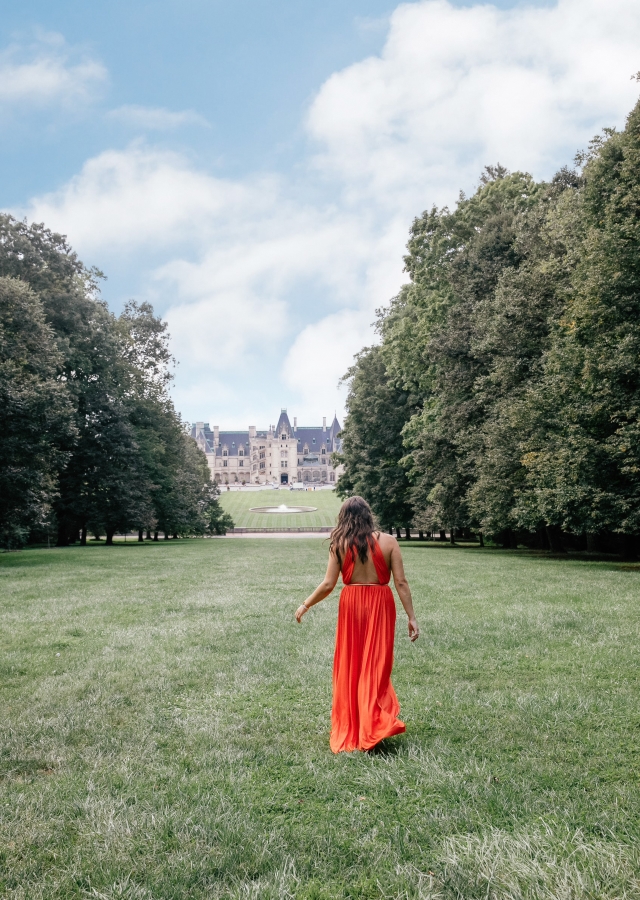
x,y
252,167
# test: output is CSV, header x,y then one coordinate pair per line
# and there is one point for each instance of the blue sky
x,y
252,168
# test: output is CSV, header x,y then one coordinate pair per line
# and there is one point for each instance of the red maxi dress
x,y
365,706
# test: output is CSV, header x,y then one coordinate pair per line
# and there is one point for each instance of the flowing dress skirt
x,y
365,706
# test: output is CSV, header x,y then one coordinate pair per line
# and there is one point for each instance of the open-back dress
x,y
365,707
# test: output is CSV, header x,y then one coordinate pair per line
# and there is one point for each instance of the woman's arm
x,y
403,589
324,588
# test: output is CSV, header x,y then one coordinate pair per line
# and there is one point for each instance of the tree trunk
x,y
452,538
443,535
592,542
398,535
481,538
148,534
631,546
175,537
421,535
83,536
140,535
390,529
110,535
407,532
63,537
166,535
155,535
553,536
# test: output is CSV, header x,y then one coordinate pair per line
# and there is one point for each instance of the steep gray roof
x,y
283,422
313,436
232,441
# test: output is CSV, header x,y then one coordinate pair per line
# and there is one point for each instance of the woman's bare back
x,y
365,573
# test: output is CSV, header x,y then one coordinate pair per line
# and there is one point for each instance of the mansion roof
x,y
311,438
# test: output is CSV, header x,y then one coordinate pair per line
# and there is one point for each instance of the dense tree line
x,y
504,395
89,438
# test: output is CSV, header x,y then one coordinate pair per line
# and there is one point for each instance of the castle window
x,y
225,463
313,441
323,451
225,453
241,463
284,437
241,452
262,465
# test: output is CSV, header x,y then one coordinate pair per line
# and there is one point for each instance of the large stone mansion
x,y
284,454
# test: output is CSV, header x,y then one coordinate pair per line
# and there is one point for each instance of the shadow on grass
x,y
389,747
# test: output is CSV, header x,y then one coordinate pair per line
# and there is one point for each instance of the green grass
x,y
164,729
239,503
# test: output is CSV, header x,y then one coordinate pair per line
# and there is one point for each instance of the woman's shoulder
x,y
385,540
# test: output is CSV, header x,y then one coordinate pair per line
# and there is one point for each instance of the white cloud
x,y
138,198
236,267
152,118
270,292
456,88
43,74
320,355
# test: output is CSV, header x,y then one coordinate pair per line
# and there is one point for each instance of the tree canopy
x,y
514,355
90,440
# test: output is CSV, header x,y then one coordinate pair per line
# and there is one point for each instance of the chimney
x,y
216,435
252,431
295,423
324,423
199,427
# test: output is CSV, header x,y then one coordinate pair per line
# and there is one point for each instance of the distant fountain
x,y
283,509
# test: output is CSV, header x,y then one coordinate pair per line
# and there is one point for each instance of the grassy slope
x,y
177,746
238,503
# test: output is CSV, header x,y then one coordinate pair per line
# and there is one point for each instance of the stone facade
x,y
282,455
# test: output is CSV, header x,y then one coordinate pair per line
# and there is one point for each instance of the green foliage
x,y
372,447
93,441
36,415
584,460
517,343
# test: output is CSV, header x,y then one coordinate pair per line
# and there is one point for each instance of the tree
x,y
583,461
431,344
372,446
36,416
126,461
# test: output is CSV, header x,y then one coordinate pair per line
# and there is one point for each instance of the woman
x,y
365,707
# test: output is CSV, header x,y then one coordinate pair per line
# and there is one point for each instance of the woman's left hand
x,y
301,610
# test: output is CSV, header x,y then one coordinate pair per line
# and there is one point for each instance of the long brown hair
x,y
356,524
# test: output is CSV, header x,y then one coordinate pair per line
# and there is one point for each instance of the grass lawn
x,y
239,503
164,729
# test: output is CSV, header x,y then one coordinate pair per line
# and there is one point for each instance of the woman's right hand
x,y
301,610
414,631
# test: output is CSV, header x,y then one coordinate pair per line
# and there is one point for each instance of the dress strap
x,y
382,569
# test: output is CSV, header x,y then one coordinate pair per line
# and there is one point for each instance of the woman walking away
x,y
365,706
